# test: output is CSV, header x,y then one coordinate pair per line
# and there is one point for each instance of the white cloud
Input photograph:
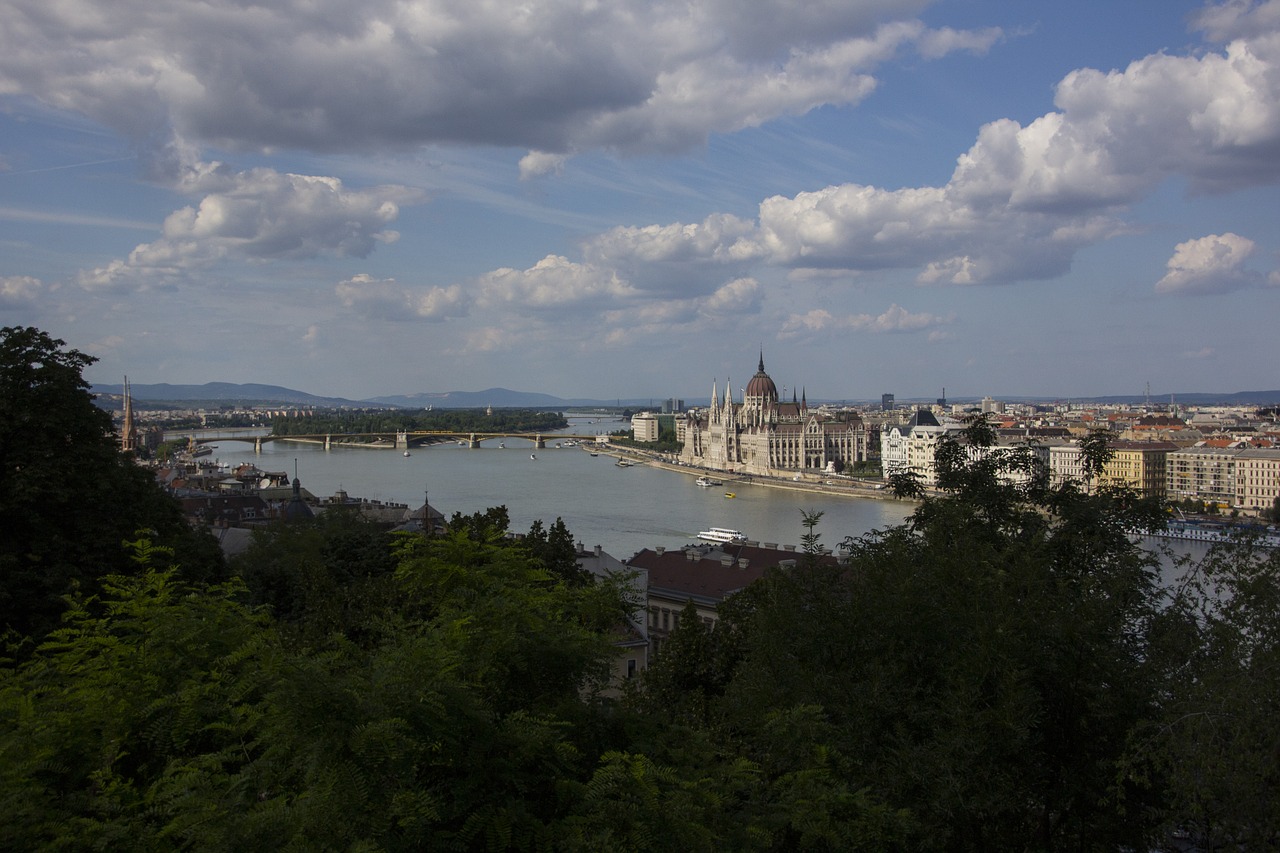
x,y
538,163
257,215
894,319
19,290
1212,264
385,299
553,284
549,75
1023,199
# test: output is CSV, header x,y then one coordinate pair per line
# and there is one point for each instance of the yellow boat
x,y
730,495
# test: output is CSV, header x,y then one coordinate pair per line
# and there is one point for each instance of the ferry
x,y
624,463
1214,533
723,535
707,481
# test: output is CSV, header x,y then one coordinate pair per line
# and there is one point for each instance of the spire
x,y
761,367
128,431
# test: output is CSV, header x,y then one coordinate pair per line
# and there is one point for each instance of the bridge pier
x,y
257,444
473,442
540,442
328,441
402,441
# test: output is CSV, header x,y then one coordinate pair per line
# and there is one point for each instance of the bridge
x,y
392,440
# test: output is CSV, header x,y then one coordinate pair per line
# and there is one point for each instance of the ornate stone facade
x,y
764,436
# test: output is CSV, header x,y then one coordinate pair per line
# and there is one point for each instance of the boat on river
x,y
722,535
1214,533
707,481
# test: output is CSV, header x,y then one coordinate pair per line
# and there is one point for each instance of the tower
x,y
128,430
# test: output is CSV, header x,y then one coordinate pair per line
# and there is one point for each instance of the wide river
x,y
621,509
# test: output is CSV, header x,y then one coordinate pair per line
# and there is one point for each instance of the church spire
x,y
128,430
761,367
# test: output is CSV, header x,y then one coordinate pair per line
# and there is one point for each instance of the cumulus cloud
x,y
19,290
538,163
1023,200
548,75
894,319
257,215
553,284
385,299
1212,264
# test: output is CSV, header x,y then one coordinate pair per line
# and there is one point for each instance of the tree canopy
x,y
1007,670
69,498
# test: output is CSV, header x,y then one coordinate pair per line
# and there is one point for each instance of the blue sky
x,y
633,198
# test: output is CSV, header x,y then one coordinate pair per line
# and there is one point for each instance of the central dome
x,y
761,385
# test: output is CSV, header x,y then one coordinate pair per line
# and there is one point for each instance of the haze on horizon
x,y
634,198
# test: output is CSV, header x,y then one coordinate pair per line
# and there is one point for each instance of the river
x,y
621,509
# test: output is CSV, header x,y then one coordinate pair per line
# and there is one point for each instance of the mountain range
x,y
244,395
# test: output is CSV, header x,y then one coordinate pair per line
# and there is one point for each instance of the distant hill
x,y
232,394
501,398
229,393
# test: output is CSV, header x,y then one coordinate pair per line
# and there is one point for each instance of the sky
x,y
630,198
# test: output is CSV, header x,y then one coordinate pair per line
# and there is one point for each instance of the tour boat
x,y
707,481
722,534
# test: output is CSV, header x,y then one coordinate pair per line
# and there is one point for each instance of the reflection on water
x,y
621,509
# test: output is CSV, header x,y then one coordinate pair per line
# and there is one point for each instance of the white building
x,y
644,425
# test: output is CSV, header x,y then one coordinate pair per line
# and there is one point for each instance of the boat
x,y
707,481
722,534
533,456
502,445
593,453
624,463
1214,533
730,494
406,453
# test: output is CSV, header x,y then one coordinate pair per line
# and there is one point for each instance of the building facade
x,y
765,436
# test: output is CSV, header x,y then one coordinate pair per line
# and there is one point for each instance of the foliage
x,y
170,717
333,573
68,496
971,680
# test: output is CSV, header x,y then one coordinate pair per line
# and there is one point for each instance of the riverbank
x,y
825,485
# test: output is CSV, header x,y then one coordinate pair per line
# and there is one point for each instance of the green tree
x,y
979,672
169,716
69,498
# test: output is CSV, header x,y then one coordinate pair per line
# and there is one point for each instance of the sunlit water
x,y
620,509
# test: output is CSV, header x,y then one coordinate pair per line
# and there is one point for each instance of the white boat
x,y
532,456
1214,533
707,481
624,463
406,453
722,534
502,445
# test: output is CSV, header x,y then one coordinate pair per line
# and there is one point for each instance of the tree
x,y
167,715
69,498
981,669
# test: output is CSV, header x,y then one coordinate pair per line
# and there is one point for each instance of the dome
x,y
761,385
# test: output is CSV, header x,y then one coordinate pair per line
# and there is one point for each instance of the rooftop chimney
x,y
660,550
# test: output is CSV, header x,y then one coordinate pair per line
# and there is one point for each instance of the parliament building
x,y
765,436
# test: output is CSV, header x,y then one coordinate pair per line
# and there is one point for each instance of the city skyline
x,y
573,198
